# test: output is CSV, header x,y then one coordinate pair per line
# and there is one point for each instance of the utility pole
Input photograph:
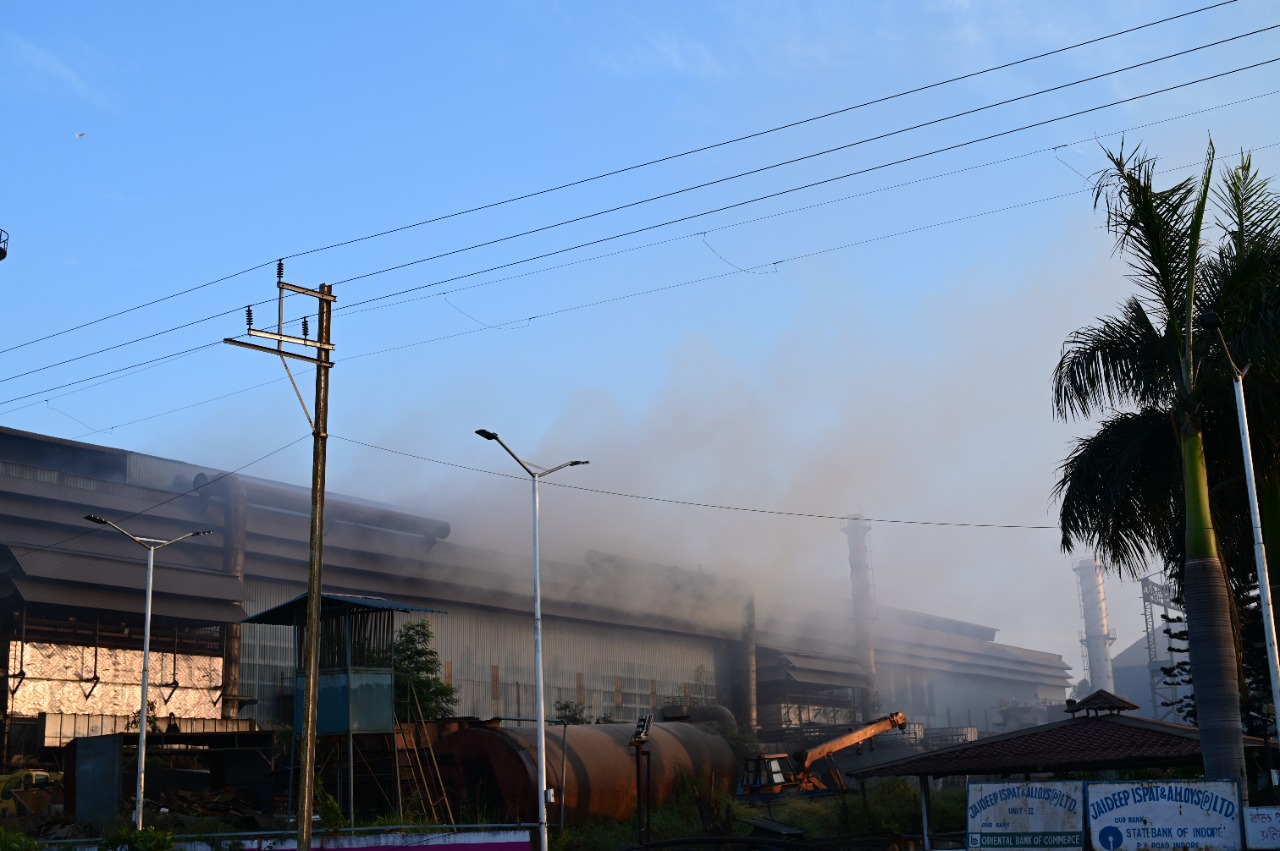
x,y
320,433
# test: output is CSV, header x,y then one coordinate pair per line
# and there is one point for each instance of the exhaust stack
x,y
1098,635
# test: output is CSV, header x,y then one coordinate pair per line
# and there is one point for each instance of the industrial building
x,y
73,616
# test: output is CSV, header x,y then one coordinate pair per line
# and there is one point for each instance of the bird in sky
x,y
79,135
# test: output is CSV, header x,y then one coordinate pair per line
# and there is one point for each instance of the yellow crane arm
x,y
806,758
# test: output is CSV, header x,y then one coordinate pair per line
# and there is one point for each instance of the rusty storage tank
x,y
591,767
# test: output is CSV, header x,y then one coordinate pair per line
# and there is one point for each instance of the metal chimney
x,y
1098,636
864,610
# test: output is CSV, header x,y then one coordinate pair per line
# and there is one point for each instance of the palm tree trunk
x,y
1211,638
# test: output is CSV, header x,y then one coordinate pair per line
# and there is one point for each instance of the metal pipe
x,y
564,764
151,545
537,631
538,684
1259,550
146,681
1211,320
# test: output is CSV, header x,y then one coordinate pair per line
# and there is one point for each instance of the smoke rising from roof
x,y
939,415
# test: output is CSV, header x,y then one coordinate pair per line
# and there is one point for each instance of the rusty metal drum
x,y
491,771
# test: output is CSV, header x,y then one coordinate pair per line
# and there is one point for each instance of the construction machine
x,y
772,774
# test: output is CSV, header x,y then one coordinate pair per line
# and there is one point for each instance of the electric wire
x,y
649,498
686,218
692,503
677,220
815,155
639,293
635,167
363,306
800,188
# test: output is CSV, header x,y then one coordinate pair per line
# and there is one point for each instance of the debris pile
x,y
229,806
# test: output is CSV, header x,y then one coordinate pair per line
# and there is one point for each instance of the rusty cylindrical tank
x,y
494,768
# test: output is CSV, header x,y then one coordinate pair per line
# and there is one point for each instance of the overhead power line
x,y
630,168
817,154
694,503
773,195
642,292
811,185
724,208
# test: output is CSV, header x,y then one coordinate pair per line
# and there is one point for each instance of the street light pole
x,y
151,545
1212,320
541,737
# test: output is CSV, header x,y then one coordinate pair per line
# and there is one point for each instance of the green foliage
x,y
330,811
282,742
743,743
596,835
129,838
895,805
12,840
571,712
153,725
948,812
420,693
891,805
215,842
694,810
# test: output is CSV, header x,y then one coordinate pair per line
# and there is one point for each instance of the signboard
x,y
1018,816
1262,827
1165,815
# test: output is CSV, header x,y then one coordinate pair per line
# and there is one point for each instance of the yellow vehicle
x,y
21,781
772,774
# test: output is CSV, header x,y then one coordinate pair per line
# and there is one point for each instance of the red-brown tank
x,y
494,769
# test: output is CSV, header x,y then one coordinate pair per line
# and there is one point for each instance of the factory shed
x,y
623,637
1089,743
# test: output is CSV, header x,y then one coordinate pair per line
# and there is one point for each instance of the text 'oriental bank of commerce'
x,y
1126,816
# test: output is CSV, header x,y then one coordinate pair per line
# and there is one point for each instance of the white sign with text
x,y
1196,815
1026,816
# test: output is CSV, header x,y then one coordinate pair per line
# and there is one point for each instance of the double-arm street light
x,y
151,545
1213,322
536,473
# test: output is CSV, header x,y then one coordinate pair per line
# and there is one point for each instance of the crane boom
x,y
806,758
773,774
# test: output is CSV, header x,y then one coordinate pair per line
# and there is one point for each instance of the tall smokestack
x,y
1098,636
864,610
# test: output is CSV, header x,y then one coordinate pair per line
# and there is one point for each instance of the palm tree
x,y
1242,284
1143,370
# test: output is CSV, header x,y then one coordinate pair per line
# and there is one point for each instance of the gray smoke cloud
x,y
937,415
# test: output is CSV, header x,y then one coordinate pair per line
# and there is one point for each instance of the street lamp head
x,y
93,518
1210,320
486,434
577,463
202,532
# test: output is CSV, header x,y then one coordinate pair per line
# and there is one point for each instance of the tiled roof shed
x,y
1090,743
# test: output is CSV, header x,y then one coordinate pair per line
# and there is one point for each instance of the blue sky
x,y
878,343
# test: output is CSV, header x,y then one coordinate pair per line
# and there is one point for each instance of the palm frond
x,y
1120,492
1121,361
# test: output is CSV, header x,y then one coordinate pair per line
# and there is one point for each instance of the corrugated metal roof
x,y
69,567
826,664
827,679
1078,744
286,614
65,498
191,609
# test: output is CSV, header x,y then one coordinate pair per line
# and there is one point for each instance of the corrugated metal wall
x,y
619,672
266,652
